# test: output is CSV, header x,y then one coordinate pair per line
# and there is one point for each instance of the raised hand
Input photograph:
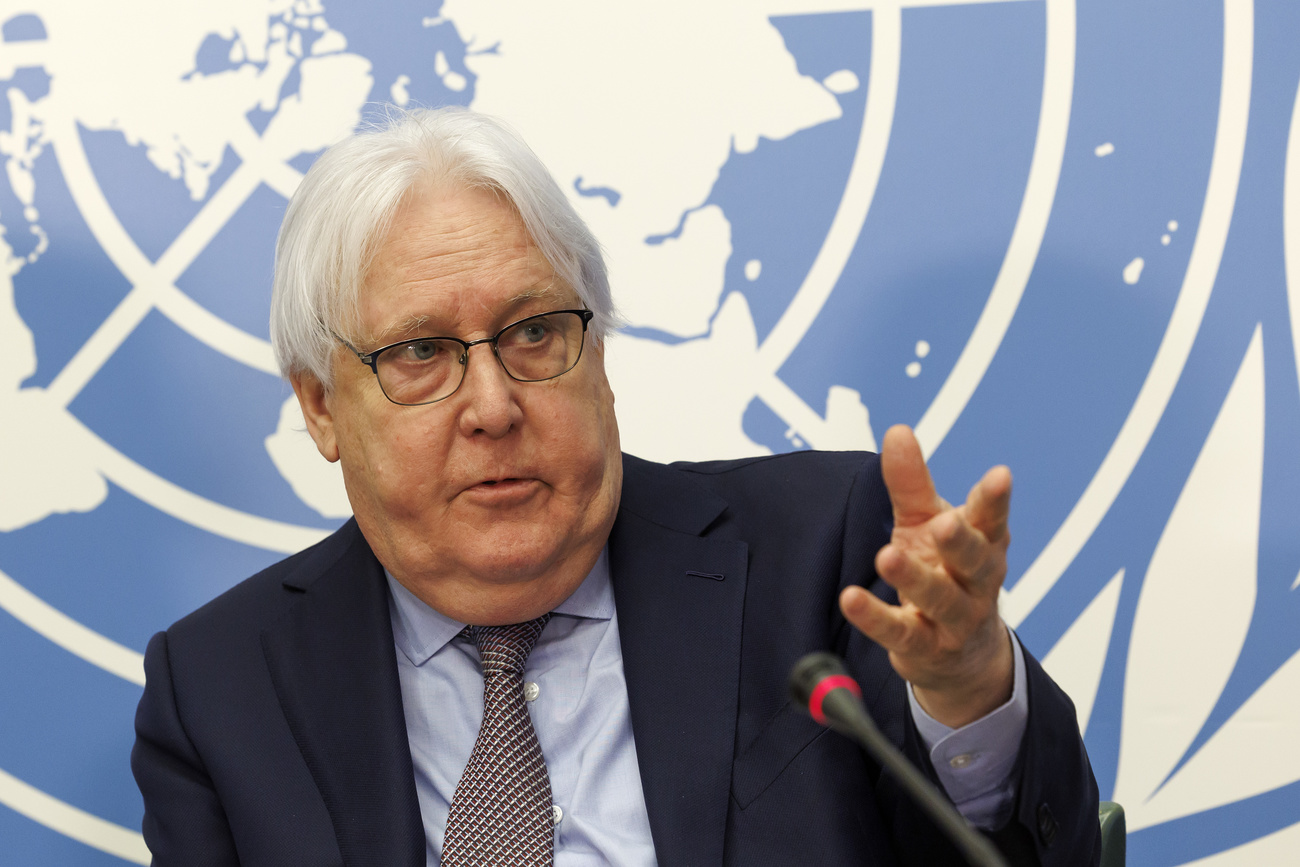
x,y
947,564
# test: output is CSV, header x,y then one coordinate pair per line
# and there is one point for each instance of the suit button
x,y
1047,826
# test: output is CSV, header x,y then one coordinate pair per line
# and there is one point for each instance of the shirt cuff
x,y
974,763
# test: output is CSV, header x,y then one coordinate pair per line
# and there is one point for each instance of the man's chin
x,y
513,561
508,553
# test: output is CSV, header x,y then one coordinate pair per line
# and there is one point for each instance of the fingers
x,y
928,586
989,504
911,490
887,625
902,630
949,570
963,549
957,678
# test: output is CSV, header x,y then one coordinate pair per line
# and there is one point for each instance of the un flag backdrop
x,y
1060,235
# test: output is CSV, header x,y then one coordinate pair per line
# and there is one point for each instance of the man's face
x,y
493,504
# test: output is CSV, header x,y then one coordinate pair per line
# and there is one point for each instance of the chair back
x,y
1113,835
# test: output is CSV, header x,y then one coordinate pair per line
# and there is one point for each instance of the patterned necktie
x,y
501,812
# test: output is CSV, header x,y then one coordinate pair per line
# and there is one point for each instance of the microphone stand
x,y
839,706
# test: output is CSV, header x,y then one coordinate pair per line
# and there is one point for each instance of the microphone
x,y
819,684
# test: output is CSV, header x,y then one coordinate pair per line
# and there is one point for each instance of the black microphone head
x,y
810,671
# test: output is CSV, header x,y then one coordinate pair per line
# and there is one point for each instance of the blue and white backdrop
x,y
1062,235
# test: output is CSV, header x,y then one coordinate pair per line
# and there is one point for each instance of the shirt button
x,y
557,813
532,691
961,761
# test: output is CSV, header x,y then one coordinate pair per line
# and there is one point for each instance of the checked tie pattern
x,y
501,812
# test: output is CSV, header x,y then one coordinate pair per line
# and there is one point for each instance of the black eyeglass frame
x,y
371,359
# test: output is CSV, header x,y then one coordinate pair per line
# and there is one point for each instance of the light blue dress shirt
x,y
578,703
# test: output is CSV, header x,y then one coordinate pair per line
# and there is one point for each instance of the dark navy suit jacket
x,y
271,730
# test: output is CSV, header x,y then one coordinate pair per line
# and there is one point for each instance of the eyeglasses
x,y
430,369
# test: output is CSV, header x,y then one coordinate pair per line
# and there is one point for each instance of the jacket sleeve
x,y
184,823
1055,814
1054,819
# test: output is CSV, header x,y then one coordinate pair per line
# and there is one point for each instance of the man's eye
x,y
421,350
533,332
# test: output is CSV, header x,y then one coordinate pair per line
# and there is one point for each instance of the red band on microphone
x,y
819,693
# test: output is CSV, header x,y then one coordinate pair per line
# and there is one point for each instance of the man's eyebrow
x,y
405,327
413,326
547,291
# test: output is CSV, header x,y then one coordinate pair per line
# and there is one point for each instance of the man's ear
x,y
316,412
597,348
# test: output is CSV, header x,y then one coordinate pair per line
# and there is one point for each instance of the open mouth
x,y
503,483
502,492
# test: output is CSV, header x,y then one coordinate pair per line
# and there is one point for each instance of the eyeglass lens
x,y
531,350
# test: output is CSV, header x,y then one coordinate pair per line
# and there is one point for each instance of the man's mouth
x,y
516,484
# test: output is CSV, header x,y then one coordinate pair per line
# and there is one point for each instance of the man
x,y
441,313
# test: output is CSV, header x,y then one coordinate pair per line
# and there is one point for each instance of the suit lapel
x,y
680,599
333,665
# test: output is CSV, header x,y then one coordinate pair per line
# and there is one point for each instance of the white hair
x,y
341,212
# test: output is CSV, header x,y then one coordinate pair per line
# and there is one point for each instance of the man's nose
x,y
487,395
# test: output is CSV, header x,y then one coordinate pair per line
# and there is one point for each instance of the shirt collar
x,y
420,631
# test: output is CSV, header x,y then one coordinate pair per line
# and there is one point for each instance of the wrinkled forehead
x,y
452,260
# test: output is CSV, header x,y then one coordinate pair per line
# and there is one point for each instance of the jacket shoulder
x,y
769,481
813,467
256,601
811,460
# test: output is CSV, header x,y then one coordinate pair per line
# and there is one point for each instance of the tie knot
x,y
506,648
